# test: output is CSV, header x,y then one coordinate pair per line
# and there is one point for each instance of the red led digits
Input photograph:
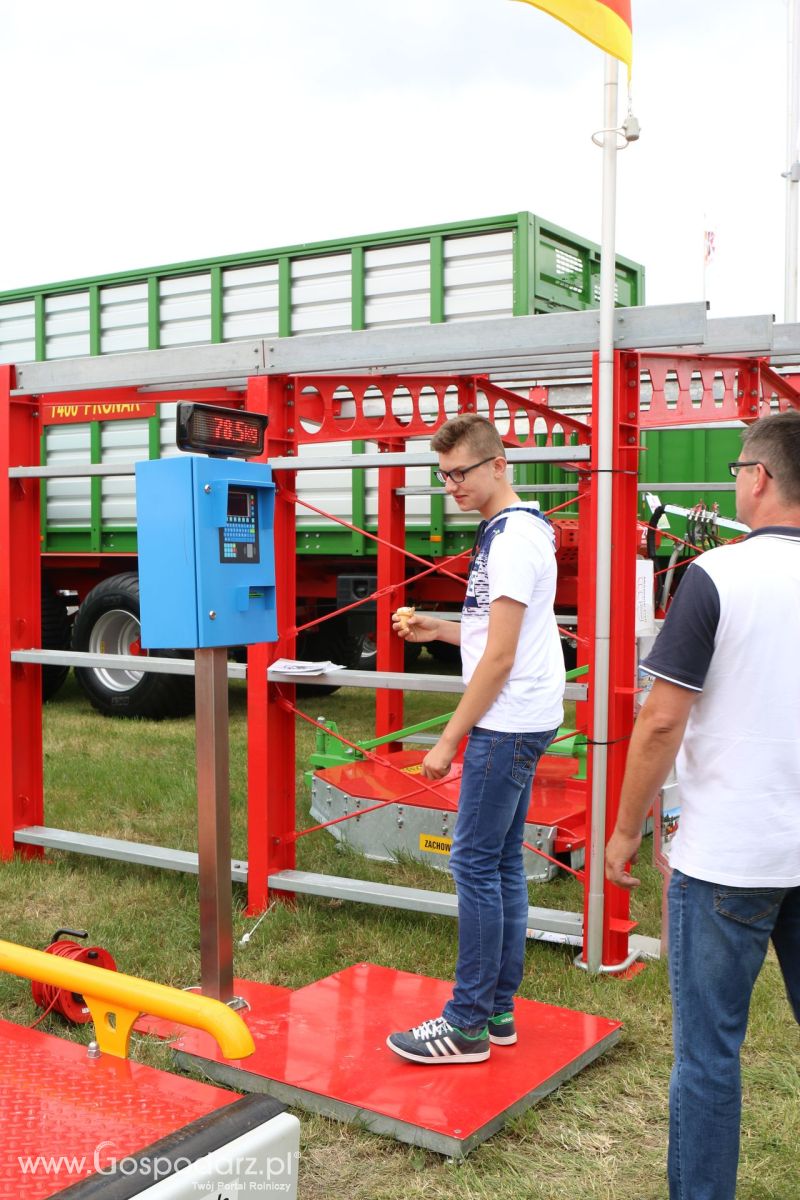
x,y
218,431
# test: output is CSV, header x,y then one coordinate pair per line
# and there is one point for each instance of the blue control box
x,y
206,552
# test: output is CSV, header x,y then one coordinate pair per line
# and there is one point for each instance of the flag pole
x,y
604,432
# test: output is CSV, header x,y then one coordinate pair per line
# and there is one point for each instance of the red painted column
x,y
21,799
391,569
622,642
270,729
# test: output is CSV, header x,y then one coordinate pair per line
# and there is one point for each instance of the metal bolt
x,y
212,616
290,429
93,1050
207,487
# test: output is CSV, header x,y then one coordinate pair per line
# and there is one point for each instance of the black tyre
x,y
445,652
332,640
55,636
369,653
108,623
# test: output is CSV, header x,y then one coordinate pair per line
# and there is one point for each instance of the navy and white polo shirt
x,y
732,635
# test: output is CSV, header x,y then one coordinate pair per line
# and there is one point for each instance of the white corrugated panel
x,y
329,490
322,294
121,441
250,302
166,430
123,318
397,285
17,332
68,499
66,325
186,310
479,276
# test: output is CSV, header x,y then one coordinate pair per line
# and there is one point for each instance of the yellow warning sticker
x,y
414,769
435,845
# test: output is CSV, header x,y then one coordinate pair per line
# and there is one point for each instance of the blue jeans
x,y
718,938
487,866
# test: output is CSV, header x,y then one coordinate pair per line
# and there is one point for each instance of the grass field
x,y
601,1136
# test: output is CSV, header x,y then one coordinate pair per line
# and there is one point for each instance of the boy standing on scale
x,y
511,709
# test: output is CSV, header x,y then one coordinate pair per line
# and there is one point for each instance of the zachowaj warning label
x,y
435,845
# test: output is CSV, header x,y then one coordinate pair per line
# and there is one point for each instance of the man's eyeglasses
x,y
459,474
735,467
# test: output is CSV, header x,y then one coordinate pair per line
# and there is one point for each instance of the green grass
x,y
602,1135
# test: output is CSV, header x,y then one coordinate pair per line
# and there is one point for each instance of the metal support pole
x,y
271,817
604,432
214,823
391,568
21,801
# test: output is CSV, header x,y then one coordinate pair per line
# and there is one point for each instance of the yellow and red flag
x,y
607,23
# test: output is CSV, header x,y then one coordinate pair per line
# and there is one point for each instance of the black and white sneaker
x,y
437,1042
502,1030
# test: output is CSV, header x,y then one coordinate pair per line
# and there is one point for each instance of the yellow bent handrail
x,y
116,1001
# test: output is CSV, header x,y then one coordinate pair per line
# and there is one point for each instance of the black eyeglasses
x,y
735,467
459,474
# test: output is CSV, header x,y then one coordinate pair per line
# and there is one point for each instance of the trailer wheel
x,y
108,623
333,641
55,636
445,652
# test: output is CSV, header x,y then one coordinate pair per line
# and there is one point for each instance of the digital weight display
x,y
223,432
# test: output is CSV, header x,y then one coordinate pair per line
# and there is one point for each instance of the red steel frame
x,y
305,410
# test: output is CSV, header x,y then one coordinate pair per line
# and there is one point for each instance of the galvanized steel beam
x,y
466,347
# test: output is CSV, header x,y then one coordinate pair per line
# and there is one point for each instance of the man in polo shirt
x,y
727,696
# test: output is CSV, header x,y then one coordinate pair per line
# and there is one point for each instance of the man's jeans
x,y
718,938
487,866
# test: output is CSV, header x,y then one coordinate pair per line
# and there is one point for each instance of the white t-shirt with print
x,y
515,557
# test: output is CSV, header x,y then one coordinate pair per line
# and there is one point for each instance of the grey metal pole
x,y
213,823
604,432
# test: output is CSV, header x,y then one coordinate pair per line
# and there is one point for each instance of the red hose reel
x,y
70,1005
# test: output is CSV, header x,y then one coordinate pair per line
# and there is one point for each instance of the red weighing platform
x,y
323,1048
65,1116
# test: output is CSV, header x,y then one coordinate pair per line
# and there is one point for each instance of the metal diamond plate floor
x,y
64,1116
323,1048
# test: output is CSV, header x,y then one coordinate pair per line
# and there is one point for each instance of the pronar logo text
x,y
435,845
66,414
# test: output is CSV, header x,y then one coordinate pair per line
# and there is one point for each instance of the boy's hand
x,y
412,627
437,762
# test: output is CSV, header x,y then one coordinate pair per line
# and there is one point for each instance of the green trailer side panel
x,y
694,456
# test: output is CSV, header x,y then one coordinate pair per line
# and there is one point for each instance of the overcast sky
x,y
140,134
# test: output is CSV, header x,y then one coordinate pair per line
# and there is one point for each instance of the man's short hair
x,y
475,432
775,441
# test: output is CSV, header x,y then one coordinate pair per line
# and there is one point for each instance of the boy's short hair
x,y
478,433
776,440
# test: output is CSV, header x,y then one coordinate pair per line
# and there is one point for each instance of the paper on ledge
x,y
297,666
